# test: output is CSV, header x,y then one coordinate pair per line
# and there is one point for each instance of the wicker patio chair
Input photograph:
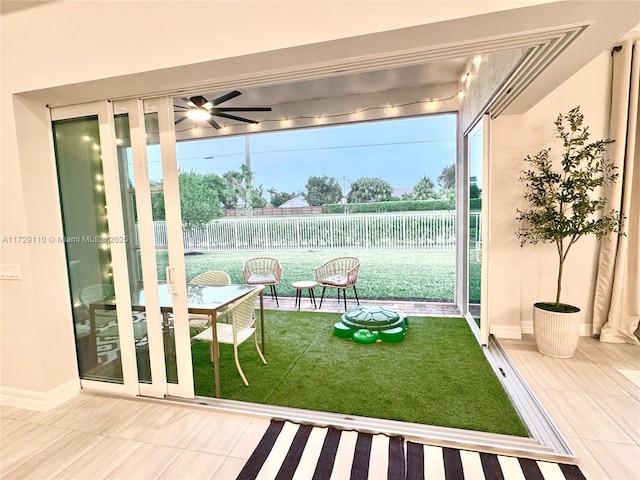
x,y
263,271
339,273
212,277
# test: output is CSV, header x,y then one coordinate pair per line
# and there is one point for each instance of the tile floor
x,y
594,398
95,437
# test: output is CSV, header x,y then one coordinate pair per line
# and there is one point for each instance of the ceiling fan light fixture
x,y
198,114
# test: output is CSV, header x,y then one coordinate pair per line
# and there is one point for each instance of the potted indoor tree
x,y
565,201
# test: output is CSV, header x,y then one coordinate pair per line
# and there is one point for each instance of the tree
x,y
157,201
239,188
424,189
474,190
234,190
200,197
564,203
321,190
447,178
256,198
278,198
366,190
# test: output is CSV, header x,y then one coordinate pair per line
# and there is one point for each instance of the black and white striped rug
x,y
305,452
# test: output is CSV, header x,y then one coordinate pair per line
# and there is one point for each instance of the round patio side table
x,y
305,285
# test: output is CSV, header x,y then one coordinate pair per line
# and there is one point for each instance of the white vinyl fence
x,y
410,231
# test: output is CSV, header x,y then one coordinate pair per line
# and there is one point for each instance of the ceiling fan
x,y
201,109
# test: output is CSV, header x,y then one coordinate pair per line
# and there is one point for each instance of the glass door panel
x,y
156,191
130,217
475,221
477,152
95,243
161,184
86,228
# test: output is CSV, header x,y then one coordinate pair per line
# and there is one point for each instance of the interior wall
x,y
521,276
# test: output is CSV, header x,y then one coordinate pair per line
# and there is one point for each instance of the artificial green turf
x,y
437,376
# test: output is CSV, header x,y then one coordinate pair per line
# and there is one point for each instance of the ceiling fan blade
x,y
226,97
233,117
188,102
182,107
198,100
240,109
181,119
214,124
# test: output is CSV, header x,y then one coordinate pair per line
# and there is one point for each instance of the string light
x,y
390,110
465,80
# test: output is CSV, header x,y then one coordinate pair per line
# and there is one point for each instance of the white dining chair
x,y
242,326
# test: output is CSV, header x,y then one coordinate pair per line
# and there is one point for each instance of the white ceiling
x,y
362,83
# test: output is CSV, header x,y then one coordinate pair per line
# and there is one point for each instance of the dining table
x,y
202,299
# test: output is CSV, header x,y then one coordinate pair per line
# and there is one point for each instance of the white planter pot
x,y
556,333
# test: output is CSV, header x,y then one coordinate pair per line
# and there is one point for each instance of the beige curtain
x,y
616,311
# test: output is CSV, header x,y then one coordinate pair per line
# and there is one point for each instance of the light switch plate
x,y
10,271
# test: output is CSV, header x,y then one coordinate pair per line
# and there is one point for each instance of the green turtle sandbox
x,y
369,324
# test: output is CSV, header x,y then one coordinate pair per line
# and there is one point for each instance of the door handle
x,y
170,273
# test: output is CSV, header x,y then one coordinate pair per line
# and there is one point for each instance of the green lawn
x,y
424,275
437,376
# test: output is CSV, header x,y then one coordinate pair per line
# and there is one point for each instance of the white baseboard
x,y
506,331
527,327
41,401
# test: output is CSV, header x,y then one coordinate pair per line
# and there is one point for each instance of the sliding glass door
x,y
477,147
130,320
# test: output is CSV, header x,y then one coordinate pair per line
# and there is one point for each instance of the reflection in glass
x,y
85,226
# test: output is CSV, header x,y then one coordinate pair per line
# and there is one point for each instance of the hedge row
x,y
475,204
394,206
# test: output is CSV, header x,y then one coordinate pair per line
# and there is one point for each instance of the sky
x,y
399,151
